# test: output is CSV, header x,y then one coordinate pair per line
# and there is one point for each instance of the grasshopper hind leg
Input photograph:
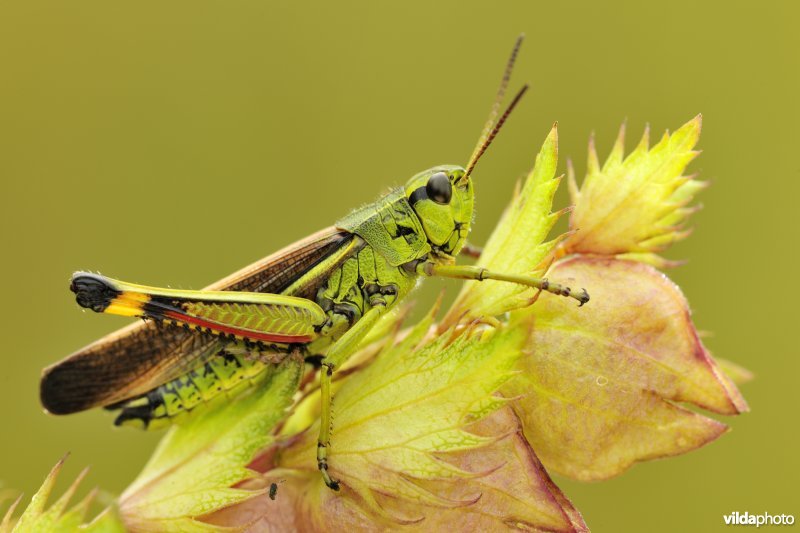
x,y
93,292
223,374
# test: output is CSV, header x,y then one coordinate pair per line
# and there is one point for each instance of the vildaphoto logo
x,y
764,519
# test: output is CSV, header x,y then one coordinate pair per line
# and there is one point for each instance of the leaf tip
x,y
644,143
698,122
593,162
552,138
5,525
619,144
572,183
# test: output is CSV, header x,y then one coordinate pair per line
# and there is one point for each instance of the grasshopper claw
x,y
583,297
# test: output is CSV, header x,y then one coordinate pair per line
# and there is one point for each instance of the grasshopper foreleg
x,y
480,274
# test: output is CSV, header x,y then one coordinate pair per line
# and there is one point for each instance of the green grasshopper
x,y
316,298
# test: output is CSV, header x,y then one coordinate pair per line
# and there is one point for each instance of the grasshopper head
x,y
442,200
442,196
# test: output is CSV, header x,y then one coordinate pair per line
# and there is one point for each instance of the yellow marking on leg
x,y
128,304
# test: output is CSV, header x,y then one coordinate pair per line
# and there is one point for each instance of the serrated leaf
x,y
409,404
106,522
394,419
59,518
636,205
517,244
601,382
414,443
515,493
198,464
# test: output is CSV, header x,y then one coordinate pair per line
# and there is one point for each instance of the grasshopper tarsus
x,y
583,298
315,360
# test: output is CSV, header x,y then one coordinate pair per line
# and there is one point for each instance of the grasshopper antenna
x,y
493,133
491,129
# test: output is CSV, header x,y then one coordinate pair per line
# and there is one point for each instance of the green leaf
x,y
197,465
636,206
415,401
59,518
419,438
514,492
517,244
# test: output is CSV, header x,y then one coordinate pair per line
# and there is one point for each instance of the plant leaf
x,y
636,205
413,401
601,382
198,464
517,244
515,493
421,439
58,518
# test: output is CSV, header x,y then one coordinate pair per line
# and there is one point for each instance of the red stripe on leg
x,y
246,333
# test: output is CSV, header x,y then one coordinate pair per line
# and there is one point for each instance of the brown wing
x,y
135,359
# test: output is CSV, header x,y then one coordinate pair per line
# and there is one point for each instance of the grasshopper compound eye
x,y
439,188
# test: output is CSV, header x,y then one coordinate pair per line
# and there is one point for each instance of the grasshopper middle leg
x,y
341,350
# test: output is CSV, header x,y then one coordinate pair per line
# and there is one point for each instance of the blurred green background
x,y
172,143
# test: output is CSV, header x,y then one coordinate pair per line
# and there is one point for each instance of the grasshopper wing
x,y
135,359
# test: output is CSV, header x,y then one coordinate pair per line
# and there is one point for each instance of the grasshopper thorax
x,y
443,202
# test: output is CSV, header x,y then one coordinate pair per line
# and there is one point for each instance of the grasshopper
x,y
317,298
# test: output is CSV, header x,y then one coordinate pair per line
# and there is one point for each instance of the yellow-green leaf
x,y
412,402
636,205
420,438
59,518
515,493
517,244
601,383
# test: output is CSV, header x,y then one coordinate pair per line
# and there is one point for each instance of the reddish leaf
x,y
600,383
